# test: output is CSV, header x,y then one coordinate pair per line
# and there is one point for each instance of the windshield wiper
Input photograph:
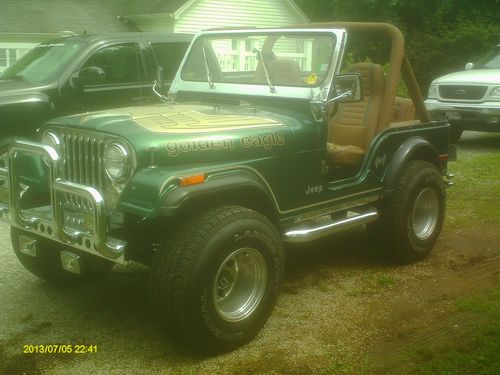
x,y
266,72
207,68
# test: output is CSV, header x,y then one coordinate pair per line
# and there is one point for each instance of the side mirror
x,y
92,75
346,88
469,66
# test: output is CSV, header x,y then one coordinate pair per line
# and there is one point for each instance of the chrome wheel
x,y
425,213
240,284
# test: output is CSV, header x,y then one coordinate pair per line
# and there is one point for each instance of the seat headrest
x,y
285,72
373,80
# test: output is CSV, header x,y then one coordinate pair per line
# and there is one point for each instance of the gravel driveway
x,y
339,304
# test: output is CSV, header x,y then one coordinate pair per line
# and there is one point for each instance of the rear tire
x,y
217,280
412,219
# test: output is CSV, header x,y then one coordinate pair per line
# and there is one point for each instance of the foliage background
x,y
441,36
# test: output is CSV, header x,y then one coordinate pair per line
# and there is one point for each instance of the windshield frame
x,y
30,61
317,92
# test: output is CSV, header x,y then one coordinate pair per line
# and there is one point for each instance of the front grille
x,y
462,92
81,155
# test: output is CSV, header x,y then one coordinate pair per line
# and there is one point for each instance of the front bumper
x,y
49,221
470,116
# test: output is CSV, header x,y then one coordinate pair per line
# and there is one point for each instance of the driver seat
x,y
353,127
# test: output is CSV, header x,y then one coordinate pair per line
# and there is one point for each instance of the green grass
x,y
473,348
470,343
476,194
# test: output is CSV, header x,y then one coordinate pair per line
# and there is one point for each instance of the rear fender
x,y
416,148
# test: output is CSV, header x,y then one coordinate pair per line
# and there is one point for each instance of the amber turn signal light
x,y
192,180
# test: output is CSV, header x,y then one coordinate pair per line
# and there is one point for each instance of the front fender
x,y
21,114
15,99
152,194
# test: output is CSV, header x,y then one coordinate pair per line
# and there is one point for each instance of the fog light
x,y
27,245
71,262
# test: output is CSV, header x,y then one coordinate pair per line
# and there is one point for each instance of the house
x,y
25,23
196,15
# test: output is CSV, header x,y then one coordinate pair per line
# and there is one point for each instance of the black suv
x,y
85,73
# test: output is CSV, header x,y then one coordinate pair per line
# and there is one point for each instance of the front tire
x,y
216,282
412,219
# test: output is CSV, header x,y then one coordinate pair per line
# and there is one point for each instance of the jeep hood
x,y
158,121
480,76
190,119
184,133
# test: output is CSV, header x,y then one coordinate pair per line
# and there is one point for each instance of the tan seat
x,y
285,72
354,125
403,110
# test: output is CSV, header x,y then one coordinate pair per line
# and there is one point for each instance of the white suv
x,y
470,99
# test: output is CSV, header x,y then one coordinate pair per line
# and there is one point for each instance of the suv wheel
x,y
216,282
411,221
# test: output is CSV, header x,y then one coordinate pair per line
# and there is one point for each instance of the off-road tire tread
x,y
170,270
387,231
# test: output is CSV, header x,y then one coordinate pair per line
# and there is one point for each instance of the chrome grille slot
x,y
82,155
82,159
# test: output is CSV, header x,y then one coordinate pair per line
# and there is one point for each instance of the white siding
x,y
205,14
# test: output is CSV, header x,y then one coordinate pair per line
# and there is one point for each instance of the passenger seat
x,y
353,127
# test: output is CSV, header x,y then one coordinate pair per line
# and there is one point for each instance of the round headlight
x,y
495,93
51,139
116,162
433,92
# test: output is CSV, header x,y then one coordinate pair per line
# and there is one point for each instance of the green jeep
x,y
267,137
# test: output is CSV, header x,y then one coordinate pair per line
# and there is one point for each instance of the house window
x,y
249,45
3,57
9,55
12,55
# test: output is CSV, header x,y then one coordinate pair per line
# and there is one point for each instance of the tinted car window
x,y
44,61
489,61
169,57
121,63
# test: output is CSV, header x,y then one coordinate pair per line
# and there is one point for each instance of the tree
x,y
441,36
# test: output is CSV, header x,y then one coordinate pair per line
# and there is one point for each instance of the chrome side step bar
x,y
324,225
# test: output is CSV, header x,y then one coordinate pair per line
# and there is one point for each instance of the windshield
x,y
42,62
489,61
283,59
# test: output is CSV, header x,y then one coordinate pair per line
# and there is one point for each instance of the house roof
x,y
94,16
